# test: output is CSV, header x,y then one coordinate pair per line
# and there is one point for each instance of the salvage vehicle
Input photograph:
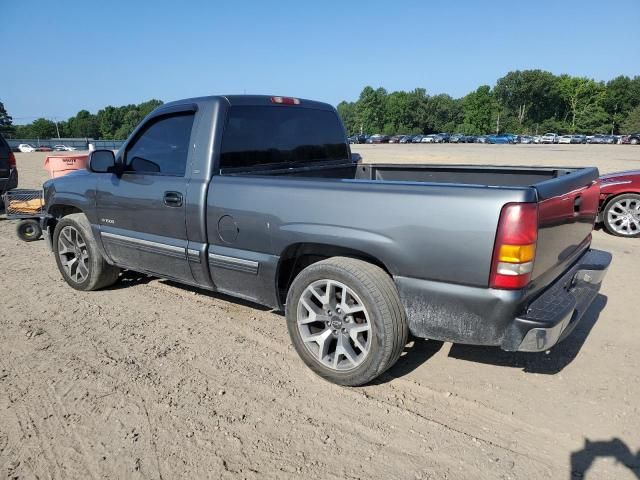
x,y
620,203
378,138
63,148
602,139
503,138
259,197
358,139
26,148
633,139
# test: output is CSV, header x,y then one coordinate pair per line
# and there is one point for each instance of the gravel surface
x,y
153,380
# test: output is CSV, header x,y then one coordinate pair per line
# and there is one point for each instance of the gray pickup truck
x,y
259,197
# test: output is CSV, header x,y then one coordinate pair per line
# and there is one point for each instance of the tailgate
x,y
567,210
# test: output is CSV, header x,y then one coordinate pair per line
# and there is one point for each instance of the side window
x,y
162,146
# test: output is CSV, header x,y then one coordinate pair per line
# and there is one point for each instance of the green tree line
x,y
110,123
523,102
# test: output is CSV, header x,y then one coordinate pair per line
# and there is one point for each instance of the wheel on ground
x,y
634,141
29,230
77,255
345,320
622,215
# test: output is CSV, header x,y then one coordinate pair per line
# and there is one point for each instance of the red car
x,y
633,139
620,203
43,148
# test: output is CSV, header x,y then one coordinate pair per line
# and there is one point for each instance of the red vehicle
x,y
44,148
620,203
633,139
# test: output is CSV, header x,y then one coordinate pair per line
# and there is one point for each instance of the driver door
x,y
141,212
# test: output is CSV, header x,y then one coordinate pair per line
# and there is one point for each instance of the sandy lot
x,y
608,158
152,380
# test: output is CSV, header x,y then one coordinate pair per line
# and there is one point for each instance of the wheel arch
x,y
296,257
54,213
57,211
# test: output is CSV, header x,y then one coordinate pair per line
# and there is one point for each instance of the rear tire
x,y
79,260
360,327
29,230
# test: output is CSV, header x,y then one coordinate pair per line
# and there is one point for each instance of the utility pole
x,y
498,124
55,120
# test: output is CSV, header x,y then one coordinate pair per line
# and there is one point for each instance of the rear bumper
x,y
505,318
555,313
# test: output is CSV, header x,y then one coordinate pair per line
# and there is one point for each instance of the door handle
x,y
577,205
173,199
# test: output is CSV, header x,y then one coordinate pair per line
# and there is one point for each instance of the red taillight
x,y
285,100
12,160
514,250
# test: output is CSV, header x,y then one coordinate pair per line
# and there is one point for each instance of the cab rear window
x,y
263,136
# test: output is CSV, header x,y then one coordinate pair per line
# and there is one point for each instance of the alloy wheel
x,y
73,253
624,216
334,325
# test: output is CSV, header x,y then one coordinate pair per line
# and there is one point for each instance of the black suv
x,y
8,170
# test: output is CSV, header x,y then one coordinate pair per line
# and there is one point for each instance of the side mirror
x,y
356,157
102,161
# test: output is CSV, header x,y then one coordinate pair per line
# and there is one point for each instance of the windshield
x,y
259,136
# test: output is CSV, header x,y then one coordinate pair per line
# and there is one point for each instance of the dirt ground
x,y
152,380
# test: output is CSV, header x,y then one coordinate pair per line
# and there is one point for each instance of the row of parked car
x,y
26,148
547,138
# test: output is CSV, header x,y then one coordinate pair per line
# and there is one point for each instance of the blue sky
x,y
63,56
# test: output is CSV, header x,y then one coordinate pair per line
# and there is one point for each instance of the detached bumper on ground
x,y
505,318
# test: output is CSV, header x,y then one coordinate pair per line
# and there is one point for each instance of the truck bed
x,y
567,199
544,179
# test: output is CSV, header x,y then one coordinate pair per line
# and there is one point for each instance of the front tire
x,y
634,141
345,320
79,260
621,215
